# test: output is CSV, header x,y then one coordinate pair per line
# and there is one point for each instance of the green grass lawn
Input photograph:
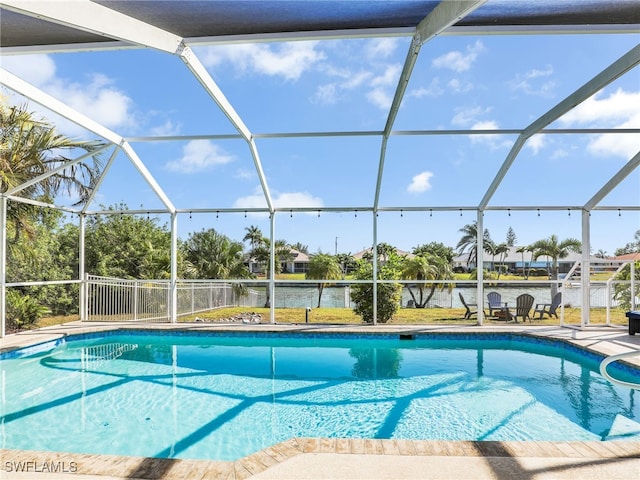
x,y
404,316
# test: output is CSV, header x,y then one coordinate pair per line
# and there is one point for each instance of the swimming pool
x,y
224,396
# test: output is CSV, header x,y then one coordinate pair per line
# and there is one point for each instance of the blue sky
x,y
459,82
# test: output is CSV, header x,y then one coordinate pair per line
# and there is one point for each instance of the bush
x,y
23,311
389,294
622,291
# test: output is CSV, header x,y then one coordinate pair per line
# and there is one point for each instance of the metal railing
x,y
615,358
113,299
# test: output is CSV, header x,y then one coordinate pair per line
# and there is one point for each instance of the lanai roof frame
x,y
100,20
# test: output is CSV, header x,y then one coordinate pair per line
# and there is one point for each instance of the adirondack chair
x,y
468,306
524,303
494,302
548,308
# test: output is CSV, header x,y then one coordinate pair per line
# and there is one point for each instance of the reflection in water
x,y
372,363
194,396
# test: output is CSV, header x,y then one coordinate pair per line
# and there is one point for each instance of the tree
x,y
522,250
435,248
554,250
52,254
423,268
469,241
388,294
31,148
501,249
347,263
631,247
261,253
253,236
385,251
215,255
301,248
622,288
127,246
323,267
511,237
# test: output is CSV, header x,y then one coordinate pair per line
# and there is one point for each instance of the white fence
x,y
112,299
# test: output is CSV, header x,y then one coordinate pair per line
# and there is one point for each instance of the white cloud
x,y
35,69
326,94
198,156
381,48
467,116
280,200
434,89
536,143
288,60
624,145
380,97
245,174
167,129
457,86
460,61
618,108
494,142
527,82
420,183
389,76
98,98
621,109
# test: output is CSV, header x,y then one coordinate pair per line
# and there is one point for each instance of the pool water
x,y
222,397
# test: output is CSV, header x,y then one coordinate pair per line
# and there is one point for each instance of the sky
x,y
459,82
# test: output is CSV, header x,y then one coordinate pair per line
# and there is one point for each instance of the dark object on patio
x,y
524,303
468,306
494,302
548,308
634,322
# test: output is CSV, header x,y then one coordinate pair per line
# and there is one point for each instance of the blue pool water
x,y
224,396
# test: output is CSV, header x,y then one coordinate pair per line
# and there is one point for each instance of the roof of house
x,y
628,257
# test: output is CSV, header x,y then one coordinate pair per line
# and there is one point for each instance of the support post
x,y
480,265
272,268
375,267
173,315
3,265
81,268
586,269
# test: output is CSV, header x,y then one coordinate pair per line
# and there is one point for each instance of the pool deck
x,y
307,458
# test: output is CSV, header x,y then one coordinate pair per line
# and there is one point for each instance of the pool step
x,y
623,428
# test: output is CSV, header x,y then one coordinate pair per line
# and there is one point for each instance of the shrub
x,y
389,294
23,311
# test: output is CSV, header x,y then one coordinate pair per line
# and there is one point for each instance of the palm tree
x,y
384,251
215,255
469,241
501,249
30,148
346,262
522,250
261,253
424,268
253,236
323,267
490,248
554,250
301,248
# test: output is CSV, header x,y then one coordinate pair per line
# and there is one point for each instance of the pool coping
x,y
44,464
601,340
